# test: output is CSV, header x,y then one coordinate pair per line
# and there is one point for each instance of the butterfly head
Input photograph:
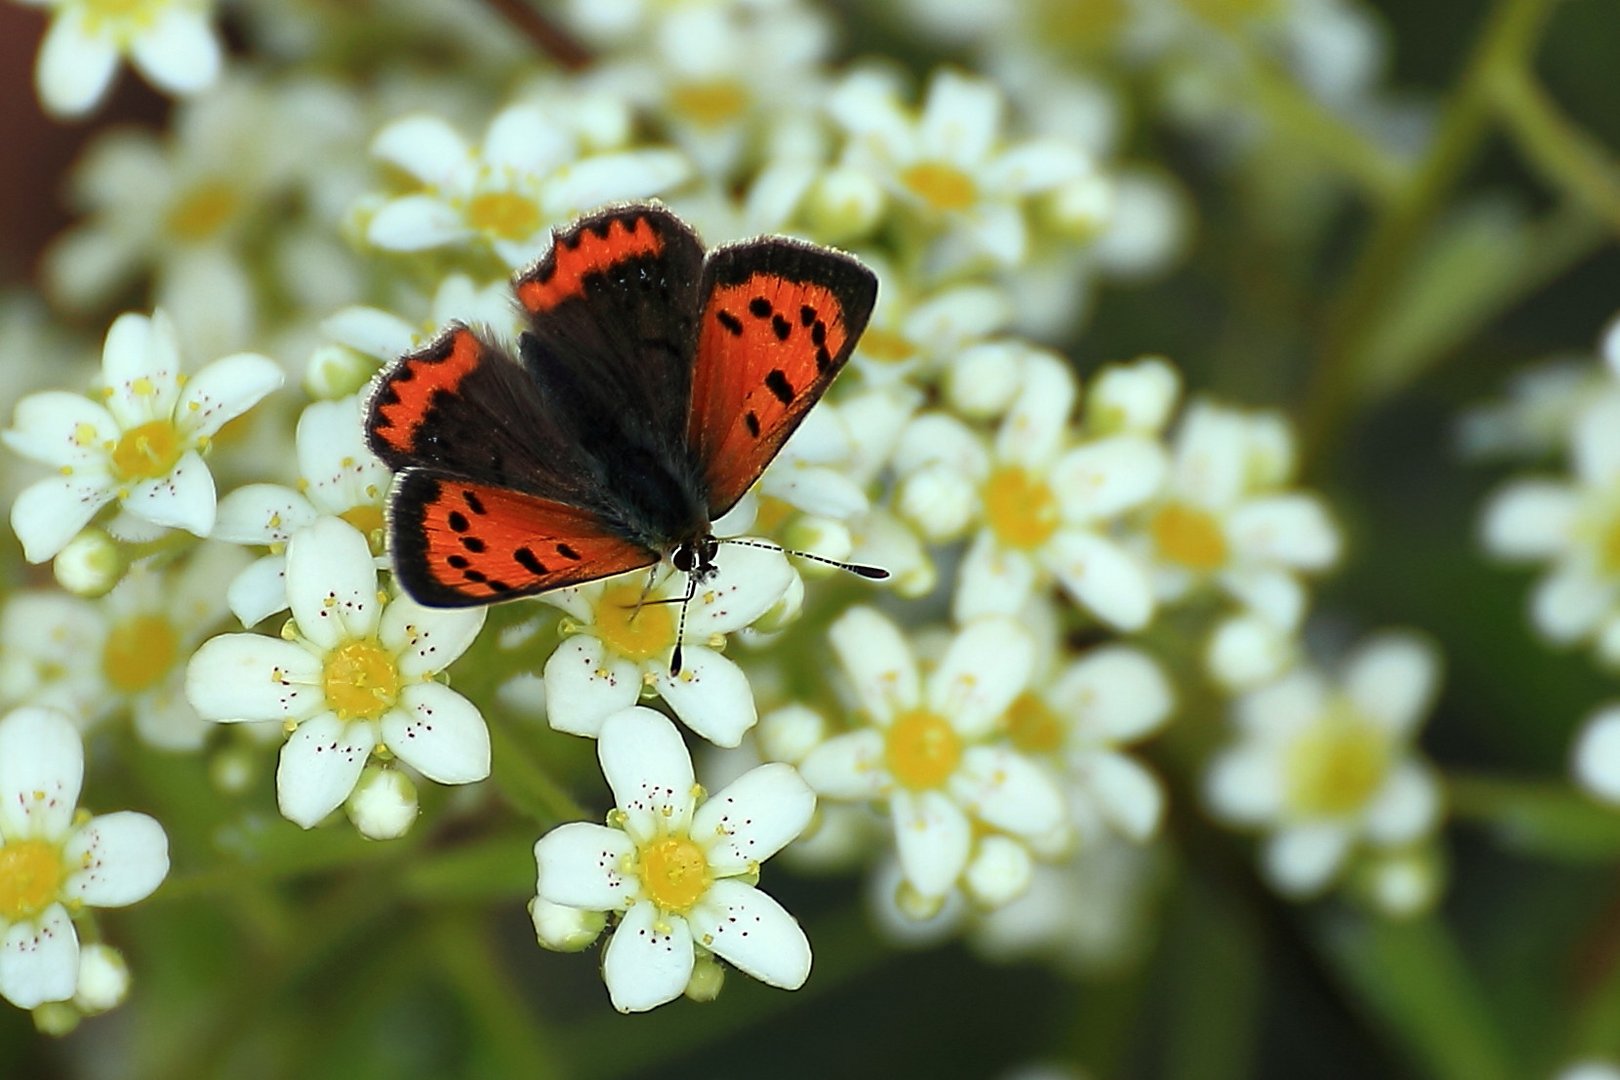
x,y
696,557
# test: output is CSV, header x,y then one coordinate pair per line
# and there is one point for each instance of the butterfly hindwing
x,y
779,320
612,309
459,543
460,404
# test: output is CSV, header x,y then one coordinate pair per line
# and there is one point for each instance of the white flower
x,y
1229,516
930,752
50,654
1082,717
915,334
153,621
171,42
353,674
1323,767
384,336
1046,508
679,869
1574,525
531,173
950,163
620,645
55,859
141,445
339,476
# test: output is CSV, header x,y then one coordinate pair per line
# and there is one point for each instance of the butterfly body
x,y
653,385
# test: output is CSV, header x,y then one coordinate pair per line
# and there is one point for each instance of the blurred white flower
x,y
171,42
1595,756
1323,767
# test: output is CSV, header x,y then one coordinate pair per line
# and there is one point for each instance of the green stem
x,y
1379,175
525,783
1544,817
1566,156
1510,34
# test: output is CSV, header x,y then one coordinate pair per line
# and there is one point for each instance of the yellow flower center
x,y
1608,545
147,452
772,514
922,750
1020,509
675,873
504,214
368,519
360,680
203,211
1189,536
637,632
1230,13
1033,727
888,346
1088,25
712,103
941,186
30,878
128,13
1335,766
139,652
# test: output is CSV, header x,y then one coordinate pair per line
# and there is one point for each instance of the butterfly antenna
x,y
680,634
875,573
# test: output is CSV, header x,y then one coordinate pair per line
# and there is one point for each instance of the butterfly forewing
x,y
458,542
779,320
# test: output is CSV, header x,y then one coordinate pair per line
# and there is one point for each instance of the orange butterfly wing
x,y
778,322
459,543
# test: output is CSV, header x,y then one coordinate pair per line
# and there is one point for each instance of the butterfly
x,y
653,384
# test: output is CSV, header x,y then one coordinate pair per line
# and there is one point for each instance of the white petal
x,y
1006,790
753,817
140,348
612,178
319,767
522,140
1128,795
1282,708
933,837
74,69
124,857
224,390
1294,530
1406,808
875,656
1114,693
259,591
1211,455
438,733
39,959
50,512
179,53
165,719
1105,478
57,428
426,640
1274,594
1530,519
1301,860
752,932
992,580
416,223
1103,577
648,961
41,768
1037,165
253,677
848,767
749,581
999,231
1393,678
1595,443
711,695
582,865
1244,786
424,146
1595,757
261,514
648,767
1567,604
1034,426
332,583
961,119
370,331
585,684
333,458
986,667
184,499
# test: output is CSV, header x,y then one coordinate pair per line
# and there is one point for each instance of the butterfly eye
x,y
682,558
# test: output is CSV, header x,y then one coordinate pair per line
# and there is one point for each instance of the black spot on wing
x,y
781,327
759,307
807,315
458,521
777,383
473,544
732,324
526,559
567,552
474,503
752,422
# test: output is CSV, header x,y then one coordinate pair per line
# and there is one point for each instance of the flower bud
x,y
383,805
565,929
90,565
